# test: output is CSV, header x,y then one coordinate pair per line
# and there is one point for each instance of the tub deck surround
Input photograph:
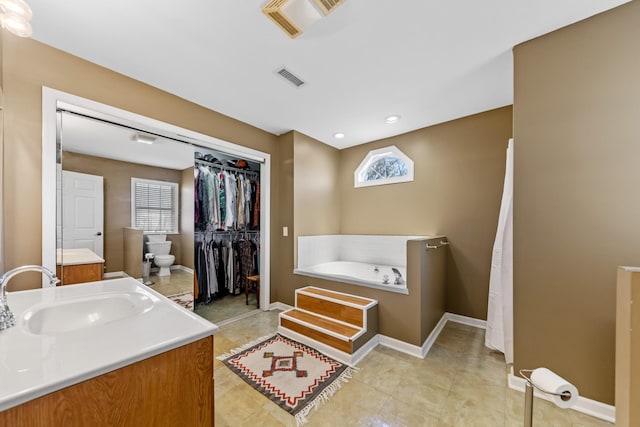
x,y
338,324
407,317
362,260
358,273
40,358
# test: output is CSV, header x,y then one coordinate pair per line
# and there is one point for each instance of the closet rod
x,y
226,168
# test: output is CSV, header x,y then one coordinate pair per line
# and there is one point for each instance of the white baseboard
x,y
182,268
401,346
586,406
280,306
422,352
469,321
433,336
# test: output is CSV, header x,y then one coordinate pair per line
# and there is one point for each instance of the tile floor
x,y
223,309
459,383
178,282
227,308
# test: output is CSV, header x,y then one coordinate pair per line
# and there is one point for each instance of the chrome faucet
x,y
398,275
7,319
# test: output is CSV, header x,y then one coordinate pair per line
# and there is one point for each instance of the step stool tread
x,y
337,296
338,328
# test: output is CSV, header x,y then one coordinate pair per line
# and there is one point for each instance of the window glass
x,y
384,166
154,205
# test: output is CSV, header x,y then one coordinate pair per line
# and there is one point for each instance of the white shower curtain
x,y
499,334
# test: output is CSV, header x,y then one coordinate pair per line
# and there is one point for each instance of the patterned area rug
x,y
294,376
185,299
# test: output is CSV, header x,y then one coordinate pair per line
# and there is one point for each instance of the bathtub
x,y
352,259
358,273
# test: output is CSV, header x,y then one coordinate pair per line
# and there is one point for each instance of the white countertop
x,y
32,365
77,256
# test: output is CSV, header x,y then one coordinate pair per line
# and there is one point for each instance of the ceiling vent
x,y
327,6
290,77
295,16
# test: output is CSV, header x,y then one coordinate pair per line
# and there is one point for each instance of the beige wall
x,y
316,204
576,210
27,66
284,283
459,169
309,202
459,175
117,199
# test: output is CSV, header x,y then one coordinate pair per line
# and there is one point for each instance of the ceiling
x,y
100,139
428,61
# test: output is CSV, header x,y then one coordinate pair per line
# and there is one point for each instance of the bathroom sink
x,y
85,312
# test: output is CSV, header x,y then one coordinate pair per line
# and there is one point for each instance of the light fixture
x,y
295,16
338,135
392,119
15,16
144,139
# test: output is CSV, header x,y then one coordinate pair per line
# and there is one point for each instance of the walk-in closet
x,y
227,234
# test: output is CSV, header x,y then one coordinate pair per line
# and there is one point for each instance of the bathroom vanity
x,y
79,265
112,353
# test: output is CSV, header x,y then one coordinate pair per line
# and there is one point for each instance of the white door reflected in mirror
x,y
83,212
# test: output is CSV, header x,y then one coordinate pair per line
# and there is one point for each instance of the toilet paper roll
x,y
546,380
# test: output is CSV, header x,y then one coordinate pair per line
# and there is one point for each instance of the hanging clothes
x,y
232,189
247,262
256,206
247,203
227,221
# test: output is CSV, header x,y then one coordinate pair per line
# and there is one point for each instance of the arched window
x,y
384,166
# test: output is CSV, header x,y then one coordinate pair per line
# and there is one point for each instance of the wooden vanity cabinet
x,y
81,273
171,389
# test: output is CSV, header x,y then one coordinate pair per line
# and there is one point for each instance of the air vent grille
x,y
290,77
328,5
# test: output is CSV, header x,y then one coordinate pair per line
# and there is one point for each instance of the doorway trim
x,y
53,99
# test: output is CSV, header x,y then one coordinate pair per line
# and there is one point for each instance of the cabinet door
x,y
171,389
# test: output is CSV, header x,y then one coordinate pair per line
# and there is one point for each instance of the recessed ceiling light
x,y
392,119
338,135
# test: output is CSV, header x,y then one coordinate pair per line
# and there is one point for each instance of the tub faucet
x,y
398,275
7,319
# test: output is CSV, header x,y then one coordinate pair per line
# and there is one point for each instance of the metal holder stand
x,y
146,270
528,396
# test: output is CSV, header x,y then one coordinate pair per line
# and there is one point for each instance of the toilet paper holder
x,y
528,396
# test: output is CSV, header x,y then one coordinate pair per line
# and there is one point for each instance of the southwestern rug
x,y
294,376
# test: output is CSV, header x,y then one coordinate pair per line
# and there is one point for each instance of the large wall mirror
x,y
97,161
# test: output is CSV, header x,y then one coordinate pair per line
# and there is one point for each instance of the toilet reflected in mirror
x,y
160,247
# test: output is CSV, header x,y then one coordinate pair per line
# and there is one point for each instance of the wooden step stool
x,y
338,324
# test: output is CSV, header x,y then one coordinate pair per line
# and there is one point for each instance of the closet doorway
x,y
54,101
227,231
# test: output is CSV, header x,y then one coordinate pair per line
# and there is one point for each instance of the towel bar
x,y
439,245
